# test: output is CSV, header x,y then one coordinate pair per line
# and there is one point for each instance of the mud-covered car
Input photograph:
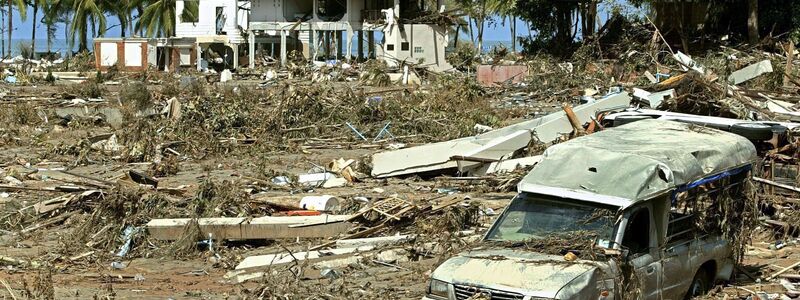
x,y
641,211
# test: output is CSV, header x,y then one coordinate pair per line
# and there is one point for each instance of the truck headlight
x,y
438,288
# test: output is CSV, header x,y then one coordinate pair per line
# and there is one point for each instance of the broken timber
x,y
494,145
257,228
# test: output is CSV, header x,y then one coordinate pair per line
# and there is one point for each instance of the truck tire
x,y
753,131
625,119
700,285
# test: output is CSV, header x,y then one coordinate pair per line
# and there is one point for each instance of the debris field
x,y
336,182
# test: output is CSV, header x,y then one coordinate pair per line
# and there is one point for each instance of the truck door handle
x,y
650,270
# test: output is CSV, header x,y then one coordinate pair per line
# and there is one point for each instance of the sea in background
x,y
57,45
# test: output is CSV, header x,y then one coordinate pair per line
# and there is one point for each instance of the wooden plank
x,y
789,61
783,270
258,228
780,185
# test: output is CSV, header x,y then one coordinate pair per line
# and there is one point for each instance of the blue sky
x,y
22,29
494,32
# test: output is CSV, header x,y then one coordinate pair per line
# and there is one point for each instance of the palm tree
x,y
158,18
122,9
36,4
55,11
21,6
505,9
86,13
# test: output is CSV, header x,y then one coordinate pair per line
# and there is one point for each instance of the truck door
x,y
677,263
643,256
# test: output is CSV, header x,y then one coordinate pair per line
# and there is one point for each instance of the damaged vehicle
x,y
641,211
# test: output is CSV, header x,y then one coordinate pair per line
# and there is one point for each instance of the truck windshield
x,y
532,216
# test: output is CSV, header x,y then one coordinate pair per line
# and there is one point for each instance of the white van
x,y
631,212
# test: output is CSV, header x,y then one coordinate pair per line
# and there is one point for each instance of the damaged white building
x,y
229,34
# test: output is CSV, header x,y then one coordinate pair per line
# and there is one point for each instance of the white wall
x,y
206,25
426,42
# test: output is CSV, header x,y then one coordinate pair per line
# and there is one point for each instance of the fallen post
x,y
257,228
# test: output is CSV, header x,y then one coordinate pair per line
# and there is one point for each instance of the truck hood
x,y
525,272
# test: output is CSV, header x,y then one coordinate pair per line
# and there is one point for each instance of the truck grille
x,y
464,292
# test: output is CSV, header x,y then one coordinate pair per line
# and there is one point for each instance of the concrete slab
x,y
750,72
490,145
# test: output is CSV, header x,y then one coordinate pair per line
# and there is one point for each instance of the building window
x,y
389,47
191,11
418,50
404,46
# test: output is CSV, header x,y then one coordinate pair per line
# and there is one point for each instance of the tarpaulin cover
x,y
639,160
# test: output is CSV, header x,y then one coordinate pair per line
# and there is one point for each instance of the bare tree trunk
x,y
752,21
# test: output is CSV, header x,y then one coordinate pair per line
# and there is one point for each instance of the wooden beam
x,y
257,228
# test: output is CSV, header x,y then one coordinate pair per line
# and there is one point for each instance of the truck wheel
x,y
625,119
753,131
700,285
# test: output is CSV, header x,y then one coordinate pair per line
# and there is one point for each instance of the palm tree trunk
x,y
82,39
480,29
139,12
10,26
514,34
49,39
33,30
752,21
471,34
458,29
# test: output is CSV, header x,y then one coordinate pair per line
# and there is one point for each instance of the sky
x,y
498,31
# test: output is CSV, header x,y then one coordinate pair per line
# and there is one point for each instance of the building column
x,y
327,43
349,53
313,43
198,57
283,47
371,44
235,48
360,44
339,44
251,48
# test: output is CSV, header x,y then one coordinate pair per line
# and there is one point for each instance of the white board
x,y
108,54
186,56
133,54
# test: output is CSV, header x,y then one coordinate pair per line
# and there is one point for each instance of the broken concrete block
x,y
507,165
392,256
225,76
750,72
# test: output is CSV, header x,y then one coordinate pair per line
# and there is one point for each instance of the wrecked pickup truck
x,y
646,210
